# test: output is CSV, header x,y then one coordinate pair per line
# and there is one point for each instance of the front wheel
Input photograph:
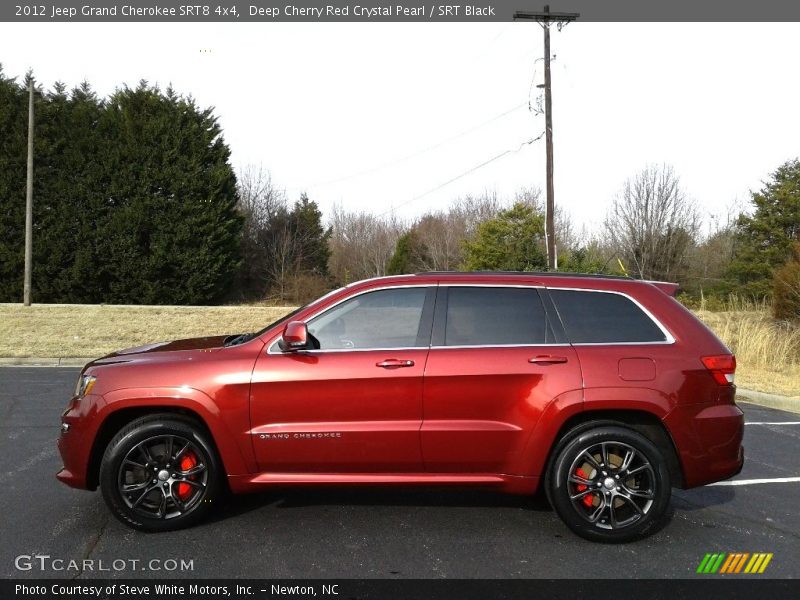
x,y
160,472
609,484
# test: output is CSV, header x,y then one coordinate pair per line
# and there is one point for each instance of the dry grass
x,y
94,330
767,352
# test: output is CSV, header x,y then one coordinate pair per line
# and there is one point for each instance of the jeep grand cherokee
x,y
604,392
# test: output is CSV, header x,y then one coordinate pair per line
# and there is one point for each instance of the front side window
x,y
604,318
487,316
381,319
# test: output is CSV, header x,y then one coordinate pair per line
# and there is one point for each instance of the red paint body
x,y
480,416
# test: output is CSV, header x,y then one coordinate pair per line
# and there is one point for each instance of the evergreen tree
x,y
134,198
763,241
585,259
13,157
171,230
313,251
67,191
512,241
409,255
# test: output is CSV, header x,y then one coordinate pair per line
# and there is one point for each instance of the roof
x,y
560,278
667,287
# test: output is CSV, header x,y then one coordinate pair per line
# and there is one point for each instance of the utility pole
x,y
26,292
545,18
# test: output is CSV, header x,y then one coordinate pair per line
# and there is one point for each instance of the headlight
x,y
85,385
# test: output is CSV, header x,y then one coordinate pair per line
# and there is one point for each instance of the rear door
x,y
496,361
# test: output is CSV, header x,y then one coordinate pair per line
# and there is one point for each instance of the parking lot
x,y
377,533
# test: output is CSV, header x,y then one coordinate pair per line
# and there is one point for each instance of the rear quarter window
x,y
591,317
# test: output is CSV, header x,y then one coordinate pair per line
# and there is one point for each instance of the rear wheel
x,y
160,472
609,484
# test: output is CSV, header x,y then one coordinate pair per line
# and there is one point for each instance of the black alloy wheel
x,y
160,472
609,484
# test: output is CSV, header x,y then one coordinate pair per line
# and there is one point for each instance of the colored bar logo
x,y
734,562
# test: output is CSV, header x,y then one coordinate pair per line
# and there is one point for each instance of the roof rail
x,y
526,274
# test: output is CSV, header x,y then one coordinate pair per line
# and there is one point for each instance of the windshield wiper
x,y
235,340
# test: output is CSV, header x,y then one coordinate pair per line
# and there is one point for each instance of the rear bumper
x,y
709,441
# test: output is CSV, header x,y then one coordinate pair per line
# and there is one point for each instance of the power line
x,y
464,174
491,43
530,89
418,153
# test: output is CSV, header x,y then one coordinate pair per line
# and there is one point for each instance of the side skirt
x,y
513,484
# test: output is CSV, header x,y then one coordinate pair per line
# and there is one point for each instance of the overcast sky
x,y
373,116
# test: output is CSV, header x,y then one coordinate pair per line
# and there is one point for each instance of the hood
x,y
200,343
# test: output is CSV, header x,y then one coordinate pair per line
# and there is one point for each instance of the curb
x,y
787,403
44,362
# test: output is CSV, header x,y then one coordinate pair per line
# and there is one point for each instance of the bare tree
x,y
361,244
652,224
259,199
531,196
474,210
277,243
281,246
260,202
711,257
442,233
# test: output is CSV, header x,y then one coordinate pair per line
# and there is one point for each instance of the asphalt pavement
x,y
373,533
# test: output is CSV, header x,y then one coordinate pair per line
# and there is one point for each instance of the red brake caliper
x,y
587,500
188,461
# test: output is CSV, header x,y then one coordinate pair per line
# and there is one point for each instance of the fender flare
x,y
235,449
544,437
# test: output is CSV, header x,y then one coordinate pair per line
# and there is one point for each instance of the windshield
x,y
287,317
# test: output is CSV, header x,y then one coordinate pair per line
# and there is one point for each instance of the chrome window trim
x,y
669,338
479,346
473,347
337,350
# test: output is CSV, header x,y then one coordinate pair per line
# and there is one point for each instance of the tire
x,y
161,472
619,498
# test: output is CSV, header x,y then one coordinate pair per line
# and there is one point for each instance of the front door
x,y
355,404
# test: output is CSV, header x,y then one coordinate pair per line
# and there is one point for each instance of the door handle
x,y
546,359
394,363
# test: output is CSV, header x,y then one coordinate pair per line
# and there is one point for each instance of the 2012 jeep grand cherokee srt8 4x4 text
x,y
604,392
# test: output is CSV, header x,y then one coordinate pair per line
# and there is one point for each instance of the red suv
x,y
603,391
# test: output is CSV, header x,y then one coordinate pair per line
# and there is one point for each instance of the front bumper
x,y
75,441
708,437
68,477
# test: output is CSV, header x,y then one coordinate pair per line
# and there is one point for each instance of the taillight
x,y
722,367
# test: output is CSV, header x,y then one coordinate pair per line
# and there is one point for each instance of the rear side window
x,y
480,316
604,318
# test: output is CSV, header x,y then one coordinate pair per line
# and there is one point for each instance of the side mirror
x,y
295,337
